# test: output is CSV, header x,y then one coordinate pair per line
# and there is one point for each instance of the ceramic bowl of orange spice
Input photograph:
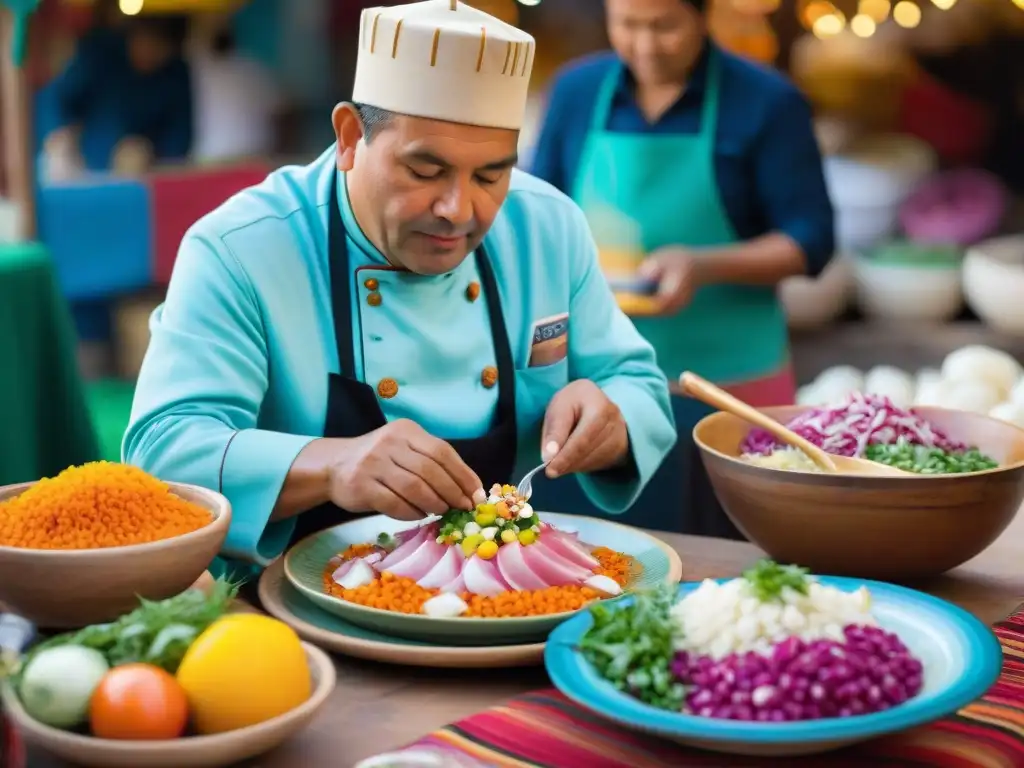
x,y
82,547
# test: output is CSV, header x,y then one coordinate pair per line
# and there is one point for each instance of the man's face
x,y
147,51
658,39
430,189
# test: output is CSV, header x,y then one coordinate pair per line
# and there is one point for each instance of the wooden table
x,y
377,708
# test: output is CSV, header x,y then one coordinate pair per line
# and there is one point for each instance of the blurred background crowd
x,y
143,115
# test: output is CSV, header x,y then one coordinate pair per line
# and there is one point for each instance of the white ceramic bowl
x,y
895,290
869,181
813,303
994,282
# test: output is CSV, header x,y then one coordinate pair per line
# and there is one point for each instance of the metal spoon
x,y
696,387
525,488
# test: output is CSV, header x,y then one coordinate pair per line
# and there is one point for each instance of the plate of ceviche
x,y
501,573
774,663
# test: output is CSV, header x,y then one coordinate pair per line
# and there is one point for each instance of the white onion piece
x,y
604,584
445,606
359,575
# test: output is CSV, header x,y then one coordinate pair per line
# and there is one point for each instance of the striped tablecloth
x,y
546,730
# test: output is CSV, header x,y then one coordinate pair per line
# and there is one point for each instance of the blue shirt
x,y
234,383
767,160
102,93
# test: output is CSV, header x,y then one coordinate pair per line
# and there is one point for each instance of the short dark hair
x,y
172,29
374,120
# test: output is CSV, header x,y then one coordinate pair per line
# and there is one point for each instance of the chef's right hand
x,y
403,472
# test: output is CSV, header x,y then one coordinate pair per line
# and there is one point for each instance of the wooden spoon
x,y
699,389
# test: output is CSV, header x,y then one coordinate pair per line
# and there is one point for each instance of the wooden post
x,y
15,111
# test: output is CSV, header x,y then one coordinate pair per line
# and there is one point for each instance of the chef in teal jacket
x,y
404,321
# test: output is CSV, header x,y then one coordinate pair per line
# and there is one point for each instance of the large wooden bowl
x,y
66,589
888,528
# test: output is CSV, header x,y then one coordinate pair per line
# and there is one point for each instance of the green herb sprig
x,y
632,646
158,632
768,579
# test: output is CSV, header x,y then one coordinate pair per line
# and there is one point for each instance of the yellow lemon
x,y
243,670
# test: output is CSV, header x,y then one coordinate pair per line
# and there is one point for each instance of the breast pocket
x,y
535,387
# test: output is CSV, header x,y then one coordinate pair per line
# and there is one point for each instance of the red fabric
x,y
958,127
180,198
777,389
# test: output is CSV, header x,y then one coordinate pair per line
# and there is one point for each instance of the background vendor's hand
x,y
62,160
583,431
403,472
675,271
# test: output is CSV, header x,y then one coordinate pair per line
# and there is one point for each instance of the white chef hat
x,y
444,60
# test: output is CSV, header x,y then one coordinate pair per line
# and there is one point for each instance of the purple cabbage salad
x,y
846,429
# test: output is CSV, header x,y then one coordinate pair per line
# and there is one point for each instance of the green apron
x,y
641,192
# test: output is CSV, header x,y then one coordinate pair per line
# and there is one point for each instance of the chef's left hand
x,y
583,431
676,272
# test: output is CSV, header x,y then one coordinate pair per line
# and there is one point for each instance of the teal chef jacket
x,y
234,383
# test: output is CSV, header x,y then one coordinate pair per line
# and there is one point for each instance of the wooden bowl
x,y
67,589
886,528
192,751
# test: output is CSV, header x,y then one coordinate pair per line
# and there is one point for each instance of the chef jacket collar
x,y
352,228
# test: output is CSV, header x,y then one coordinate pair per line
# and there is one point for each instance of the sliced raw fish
x,y
447,569
482,577
552,567
419,563
404,551
564,545
513,568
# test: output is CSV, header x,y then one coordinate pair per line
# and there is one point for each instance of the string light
x,y
906,14
1019,4
876,10
943,5
828,26
130,7
815,9
862,25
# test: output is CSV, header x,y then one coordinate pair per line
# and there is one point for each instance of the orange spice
x,y
94,506
403,595
357,550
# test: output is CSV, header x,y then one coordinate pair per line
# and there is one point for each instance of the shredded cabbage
x,y
846,429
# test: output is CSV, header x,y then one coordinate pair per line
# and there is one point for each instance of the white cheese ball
x,y
835,384
1010,412
890,382
975,362
973,396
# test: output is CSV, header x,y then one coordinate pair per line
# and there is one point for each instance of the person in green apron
x,y
702,181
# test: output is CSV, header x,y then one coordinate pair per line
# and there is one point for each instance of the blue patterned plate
x,y
961,657
304,566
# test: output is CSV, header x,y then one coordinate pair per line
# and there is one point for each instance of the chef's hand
x,y
403,472
583,431
675,271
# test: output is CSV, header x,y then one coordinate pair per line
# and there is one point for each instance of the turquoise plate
x,y
304,566
961,656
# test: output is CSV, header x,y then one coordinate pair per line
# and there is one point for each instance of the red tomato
x,y
138,702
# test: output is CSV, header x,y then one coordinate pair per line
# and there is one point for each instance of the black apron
x,y
352,406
